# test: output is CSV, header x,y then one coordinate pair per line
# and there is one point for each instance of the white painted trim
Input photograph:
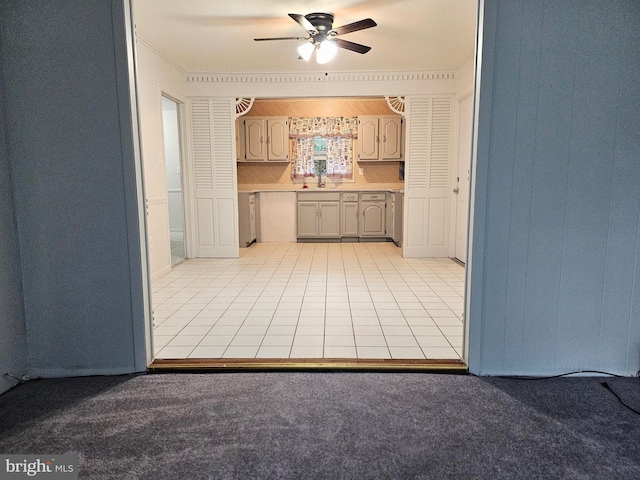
x,y
470,57
463,94
157,200
163,271
195,77
242,107
188,201
472,313
397,104
136,216
188,178
318,85
158,52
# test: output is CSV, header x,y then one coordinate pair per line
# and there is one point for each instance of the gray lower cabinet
x,y
397,217
374,214
329,224
318,215
349,215
307,219
389,215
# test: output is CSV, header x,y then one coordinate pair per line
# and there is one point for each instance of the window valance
x,y
322,146
309,127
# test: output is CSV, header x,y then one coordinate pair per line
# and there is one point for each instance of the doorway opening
x,y
283,301
173,176
170,316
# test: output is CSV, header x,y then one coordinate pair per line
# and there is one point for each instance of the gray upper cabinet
x,y
368,138
266,139
391,135
255,142
380,138
278,139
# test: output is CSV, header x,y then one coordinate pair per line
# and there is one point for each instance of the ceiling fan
x,y
323,37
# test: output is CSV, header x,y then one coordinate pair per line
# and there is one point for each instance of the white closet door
x,y
214,167
465,126
428,187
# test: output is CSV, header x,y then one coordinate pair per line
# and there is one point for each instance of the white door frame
x,y
471,356
142,358
185,168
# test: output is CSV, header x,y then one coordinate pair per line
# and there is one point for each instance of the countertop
x,y
357,187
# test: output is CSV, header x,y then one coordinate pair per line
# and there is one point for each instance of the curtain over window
x,y
322,145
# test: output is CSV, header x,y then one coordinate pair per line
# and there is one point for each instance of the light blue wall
x,y
71,155
13,335
556,254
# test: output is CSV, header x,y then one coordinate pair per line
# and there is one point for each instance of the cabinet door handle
x,y
384,139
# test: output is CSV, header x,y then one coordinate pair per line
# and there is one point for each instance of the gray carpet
x,y
328,425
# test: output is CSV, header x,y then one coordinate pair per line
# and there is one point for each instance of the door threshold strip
x,y
306,364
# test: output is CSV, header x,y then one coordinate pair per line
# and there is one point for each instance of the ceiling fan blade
x,y
355,26
280,38
303,22
354,47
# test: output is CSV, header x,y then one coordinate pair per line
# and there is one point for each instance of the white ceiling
x,y
217,35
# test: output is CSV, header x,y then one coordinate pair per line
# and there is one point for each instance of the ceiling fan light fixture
x,y
306,50
326,51
322,36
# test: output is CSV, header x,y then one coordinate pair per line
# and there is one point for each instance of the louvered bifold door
x,y
428,188
214,167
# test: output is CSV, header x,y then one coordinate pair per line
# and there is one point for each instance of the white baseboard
x,y
155,276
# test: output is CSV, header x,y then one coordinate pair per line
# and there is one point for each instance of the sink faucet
x,y
320,182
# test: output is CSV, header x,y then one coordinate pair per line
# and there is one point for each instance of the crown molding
x,y
144,42
320,77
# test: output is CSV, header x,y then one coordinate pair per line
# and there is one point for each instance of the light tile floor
x,y
311,300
